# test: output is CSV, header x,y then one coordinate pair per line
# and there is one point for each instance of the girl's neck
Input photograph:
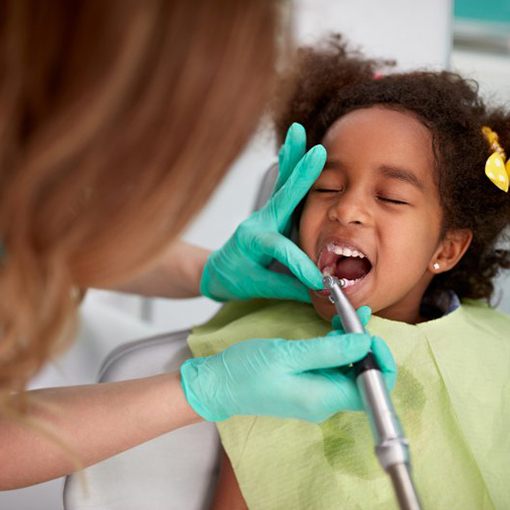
x,y
403,313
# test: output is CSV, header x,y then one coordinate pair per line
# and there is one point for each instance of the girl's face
x,y
374,217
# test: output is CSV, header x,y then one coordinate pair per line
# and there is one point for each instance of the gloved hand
x,y
282,378
238,270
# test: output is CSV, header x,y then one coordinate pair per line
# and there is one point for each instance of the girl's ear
x,y
450,250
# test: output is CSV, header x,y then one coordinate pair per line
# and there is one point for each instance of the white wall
x,y
416,33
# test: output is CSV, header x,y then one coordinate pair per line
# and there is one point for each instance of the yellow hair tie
x,y
495,166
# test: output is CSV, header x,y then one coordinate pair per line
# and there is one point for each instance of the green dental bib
x,y
452,397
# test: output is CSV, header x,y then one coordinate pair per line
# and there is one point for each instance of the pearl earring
x,y
435,265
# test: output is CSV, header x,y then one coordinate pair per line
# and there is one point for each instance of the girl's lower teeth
x,y
328,271
349,283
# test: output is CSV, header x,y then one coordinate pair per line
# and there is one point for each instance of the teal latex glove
x,y
281,378
238,270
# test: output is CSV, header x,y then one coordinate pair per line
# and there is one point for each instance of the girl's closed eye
x,y
398,195
390,200
328,186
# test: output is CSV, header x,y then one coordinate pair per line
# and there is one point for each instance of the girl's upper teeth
x,y
344,251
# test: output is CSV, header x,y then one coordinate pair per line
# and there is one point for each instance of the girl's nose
x,y
349,208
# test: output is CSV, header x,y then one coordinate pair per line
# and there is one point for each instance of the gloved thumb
x,y
326,352
364,314
385,361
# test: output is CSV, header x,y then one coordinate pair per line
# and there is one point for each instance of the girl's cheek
x,y
307,231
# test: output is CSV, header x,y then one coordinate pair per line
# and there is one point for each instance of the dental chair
x,y
178,470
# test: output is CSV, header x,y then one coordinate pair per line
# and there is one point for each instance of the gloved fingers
x,y
275,285
291,152
326,352
343,393
292,257
385,361
256,281
321,393
306,172
364,314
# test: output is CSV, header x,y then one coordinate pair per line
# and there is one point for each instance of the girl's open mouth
x,y
343,261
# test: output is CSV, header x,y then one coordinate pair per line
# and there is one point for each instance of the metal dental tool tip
x,y
391,446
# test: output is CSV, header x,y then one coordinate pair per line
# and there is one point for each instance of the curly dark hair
x,y
328,82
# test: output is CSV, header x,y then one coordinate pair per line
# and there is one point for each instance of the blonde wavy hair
x,y
119,117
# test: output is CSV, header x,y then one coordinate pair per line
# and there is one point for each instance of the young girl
x,y
405,212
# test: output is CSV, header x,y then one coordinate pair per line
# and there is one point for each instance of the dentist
x,y
118,120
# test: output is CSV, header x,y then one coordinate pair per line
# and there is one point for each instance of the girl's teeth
x,y
346,252
349,283
330,271
335,249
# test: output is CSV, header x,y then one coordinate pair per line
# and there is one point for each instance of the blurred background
x,y
467,36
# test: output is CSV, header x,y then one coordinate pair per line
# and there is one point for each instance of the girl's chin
x,y
324,308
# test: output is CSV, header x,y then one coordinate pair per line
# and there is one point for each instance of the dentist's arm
x,y
176,274
93,423
290,379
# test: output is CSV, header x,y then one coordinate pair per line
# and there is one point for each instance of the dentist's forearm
x,y
95,422
176,275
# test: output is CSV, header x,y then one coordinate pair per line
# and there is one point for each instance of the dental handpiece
x,y
391,446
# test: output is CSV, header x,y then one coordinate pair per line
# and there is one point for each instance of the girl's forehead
x,y
378,136
380,129
383,121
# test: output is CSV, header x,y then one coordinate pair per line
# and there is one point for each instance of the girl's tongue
x,y
351,268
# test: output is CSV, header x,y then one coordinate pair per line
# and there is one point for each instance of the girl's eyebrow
x,y
387,171
401,174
